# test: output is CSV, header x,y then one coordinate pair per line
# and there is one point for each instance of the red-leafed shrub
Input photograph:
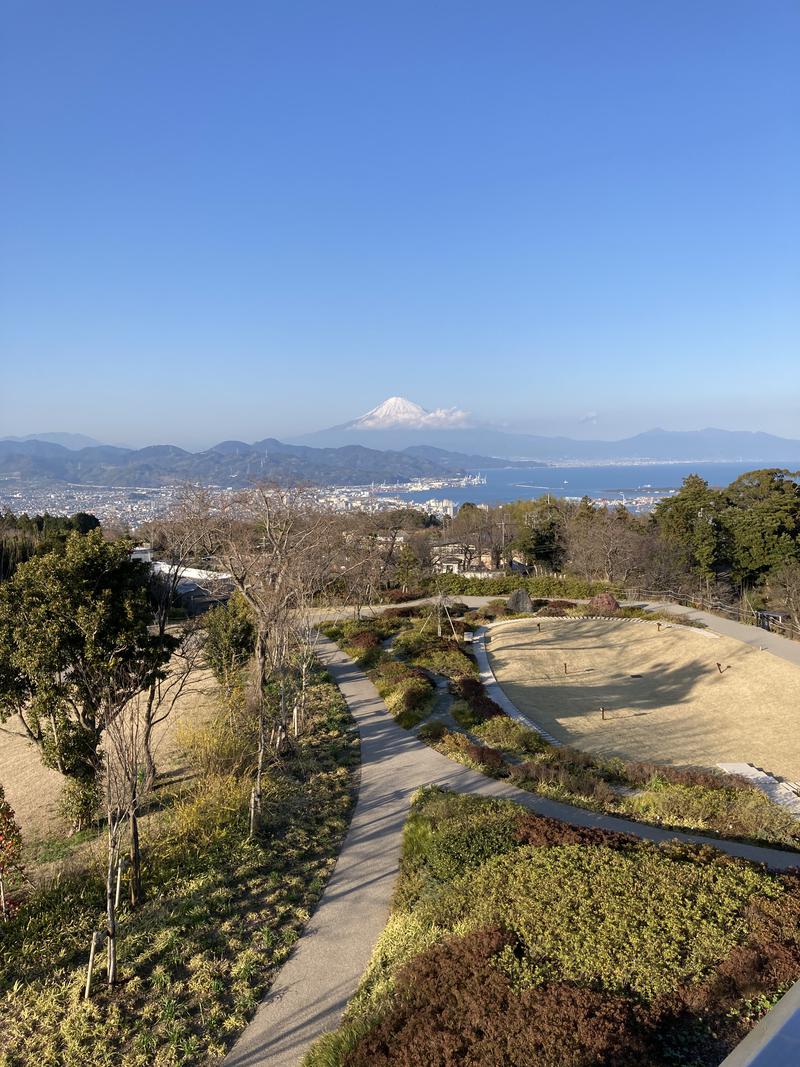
x,y
470,689
541,831
364,640
556,608
10,853
570,779
641,774
400,596
399,613
485,756
454,1008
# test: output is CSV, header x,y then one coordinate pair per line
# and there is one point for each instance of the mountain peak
x,y
398,411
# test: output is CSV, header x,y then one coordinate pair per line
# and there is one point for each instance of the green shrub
x,y
545,586
448,835
732,812
432,731
504,733
464,715
406,691
79,803
440,655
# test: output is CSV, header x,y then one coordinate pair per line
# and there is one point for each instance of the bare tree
x,y
605,543
277,550
784,585
179,540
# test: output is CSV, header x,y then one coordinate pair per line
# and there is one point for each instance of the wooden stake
x,y
97,940
565,668
603,714
119,883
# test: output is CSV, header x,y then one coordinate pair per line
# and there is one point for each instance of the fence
x,y
743,613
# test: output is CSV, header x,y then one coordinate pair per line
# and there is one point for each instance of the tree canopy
x,y
75,644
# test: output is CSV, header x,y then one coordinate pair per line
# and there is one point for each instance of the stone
x,y
519,602
603,604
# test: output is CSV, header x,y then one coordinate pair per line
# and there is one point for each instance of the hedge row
x,y
544,586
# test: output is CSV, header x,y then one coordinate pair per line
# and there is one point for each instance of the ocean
x,y
609,483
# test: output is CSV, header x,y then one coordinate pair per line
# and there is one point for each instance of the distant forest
x,y
23,536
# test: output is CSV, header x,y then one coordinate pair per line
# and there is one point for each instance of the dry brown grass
x,y
33,790
664,697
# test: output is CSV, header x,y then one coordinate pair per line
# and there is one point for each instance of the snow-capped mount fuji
x,y
399,424
397,411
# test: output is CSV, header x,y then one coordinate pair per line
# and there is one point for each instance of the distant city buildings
x,y
133,506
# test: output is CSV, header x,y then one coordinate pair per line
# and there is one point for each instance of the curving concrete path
x,y
313,987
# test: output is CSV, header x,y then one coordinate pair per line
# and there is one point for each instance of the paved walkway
x,y
313,987
748,635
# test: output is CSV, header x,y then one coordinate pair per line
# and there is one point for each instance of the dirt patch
x,y
664,696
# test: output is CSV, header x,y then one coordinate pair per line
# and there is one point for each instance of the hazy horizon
x,y
587,431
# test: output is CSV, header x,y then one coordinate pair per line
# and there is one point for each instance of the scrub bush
x,y
432,731
504,733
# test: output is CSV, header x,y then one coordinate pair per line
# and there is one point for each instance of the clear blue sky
x,y
248,218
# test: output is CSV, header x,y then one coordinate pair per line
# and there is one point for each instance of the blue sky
x,y
247,219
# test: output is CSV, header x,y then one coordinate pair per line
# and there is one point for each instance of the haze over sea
x,y
598,482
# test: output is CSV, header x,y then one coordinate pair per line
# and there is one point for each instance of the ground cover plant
x,y
519,940
682,798
220,914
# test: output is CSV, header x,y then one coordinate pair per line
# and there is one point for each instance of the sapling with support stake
x,y
440,608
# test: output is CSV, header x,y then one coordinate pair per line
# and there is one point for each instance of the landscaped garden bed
x,y
521,941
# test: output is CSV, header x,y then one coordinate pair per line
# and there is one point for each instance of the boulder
x,y
603,604
519,602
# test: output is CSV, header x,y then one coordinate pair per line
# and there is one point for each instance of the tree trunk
x,y
147,742
111,912
261,673
136,894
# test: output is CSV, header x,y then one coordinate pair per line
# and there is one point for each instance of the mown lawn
x,y
481,736
519,941
221,913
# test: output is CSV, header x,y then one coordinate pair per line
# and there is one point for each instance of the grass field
x,y
664,696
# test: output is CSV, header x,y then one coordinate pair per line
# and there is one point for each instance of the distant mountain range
x,y
399,423
231,463
72,441
394,442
